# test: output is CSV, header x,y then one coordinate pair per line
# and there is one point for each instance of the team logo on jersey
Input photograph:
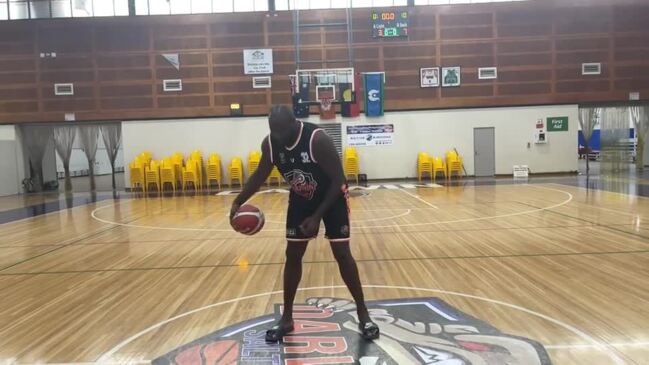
x,y
413,331
302,183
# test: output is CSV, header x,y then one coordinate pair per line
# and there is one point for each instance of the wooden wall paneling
x,y
116,66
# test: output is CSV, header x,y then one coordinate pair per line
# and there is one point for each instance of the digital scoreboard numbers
x,y
389,23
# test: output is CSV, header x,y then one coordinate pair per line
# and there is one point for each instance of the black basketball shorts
x,y
336,219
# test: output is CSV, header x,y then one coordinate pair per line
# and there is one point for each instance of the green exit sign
x,y
557,124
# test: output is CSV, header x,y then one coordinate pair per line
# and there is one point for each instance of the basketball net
x,y
326,103
327,109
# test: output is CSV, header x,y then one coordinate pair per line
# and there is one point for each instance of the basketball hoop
x,y
326,97
326,103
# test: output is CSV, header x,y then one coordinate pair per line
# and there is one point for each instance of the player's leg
x,y
295,249
338,232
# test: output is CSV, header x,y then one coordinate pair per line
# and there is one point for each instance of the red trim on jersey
x,y
311,144
299,137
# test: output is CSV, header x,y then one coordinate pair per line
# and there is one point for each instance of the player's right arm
x,y
256,180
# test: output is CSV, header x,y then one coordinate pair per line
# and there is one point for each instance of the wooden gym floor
x,y
558,264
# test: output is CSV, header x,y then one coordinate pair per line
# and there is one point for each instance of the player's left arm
x,y
326,156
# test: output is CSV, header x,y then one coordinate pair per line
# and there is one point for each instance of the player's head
x,y
283,125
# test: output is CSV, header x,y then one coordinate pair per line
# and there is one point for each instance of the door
x,y
484,148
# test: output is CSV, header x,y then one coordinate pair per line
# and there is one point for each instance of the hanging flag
x,y
373,89
173,59
350,106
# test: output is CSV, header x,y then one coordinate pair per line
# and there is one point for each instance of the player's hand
x,y
233,210
310,226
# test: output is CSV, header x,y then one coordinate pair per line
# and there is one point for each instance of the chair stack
x,y
168,175
350,163
235,170
137,174
253,162
178,162
191,175
213,171
152,175
439,166
454,164
424,166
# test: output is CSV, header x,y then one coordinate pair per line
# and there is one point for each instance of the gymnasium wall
x,y
117,67
434,132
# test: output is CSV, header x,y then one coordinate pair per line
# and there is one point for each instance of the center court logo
x,y
413,331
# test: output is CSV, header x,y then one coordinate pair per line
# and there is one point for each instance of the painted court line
x,y
607,349
93,214
420,199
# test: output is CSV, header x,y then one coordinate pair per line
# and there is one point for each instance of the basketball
x,y
248,220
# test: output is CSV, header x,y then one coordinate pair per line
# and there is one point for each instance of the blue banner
x,y
373,83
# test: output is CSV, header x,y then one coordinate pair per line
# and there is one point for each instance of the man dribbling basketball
x,y
307,158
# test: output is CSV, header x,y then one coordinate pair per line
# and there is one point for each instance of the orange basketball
x,y
248,220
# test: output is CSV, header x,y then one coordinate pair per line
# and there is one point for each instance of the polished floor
x,y
128,280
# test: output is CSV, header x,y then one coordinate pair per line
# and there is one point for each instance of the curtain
x,y
36,140
640,117
63,141
587,120
112,136
89,136
615,135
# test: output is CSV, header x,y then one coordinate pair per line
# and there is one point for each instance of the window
x,y
159,7
35,9
180,6
18,9
201,6
82,8
4,12
223,6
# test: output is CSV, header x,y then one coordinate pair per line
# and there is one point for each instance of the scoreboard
x,y
389,23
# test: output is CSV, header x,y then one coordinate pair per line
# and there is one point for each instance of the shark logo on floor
x,y
413,331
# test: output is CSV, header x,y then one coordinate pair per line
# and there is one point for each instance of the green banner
x,y
557,124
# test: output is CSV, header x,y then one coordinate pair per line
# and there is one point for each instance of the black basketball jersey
x,y
299,167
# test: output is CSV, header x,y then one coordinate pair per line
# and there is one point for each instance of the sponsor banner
x,y
370,135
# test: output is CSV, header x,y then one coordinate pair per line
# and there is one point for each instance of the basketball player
x,y
306,157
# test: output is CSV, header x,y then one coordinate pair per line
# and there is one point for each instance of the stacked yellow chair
x,y
145,158
350,163
438,166
197,157
253,162
213,170
453,164
424,166
190,175
235,170
137,174
274,175
152,175
168,174
178,162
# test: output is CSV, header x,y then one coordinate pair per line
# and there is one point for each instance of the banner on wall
x,y
258,61
370,135
374,94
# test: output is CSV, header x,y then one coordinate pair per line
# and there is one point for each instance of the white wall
x,y
434,132
11,176
229,137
